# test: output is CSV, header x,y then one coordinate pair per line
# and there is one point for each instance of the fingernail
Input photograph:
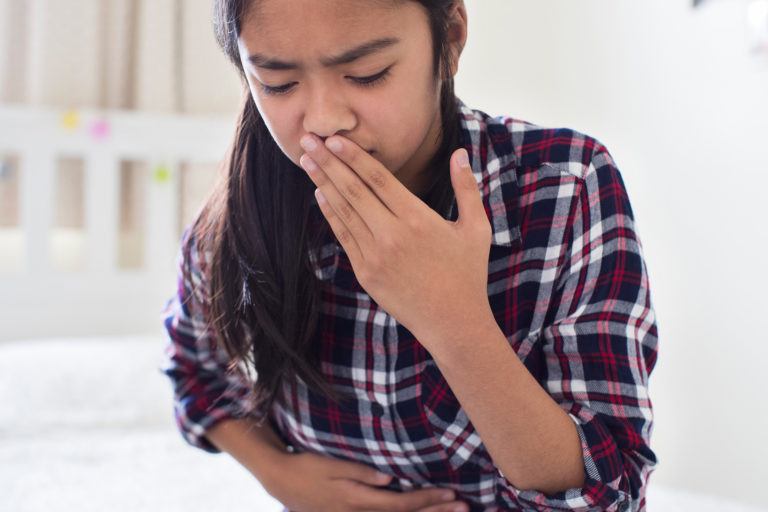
x,y
463,158
447,496
307,163
308,143
333,144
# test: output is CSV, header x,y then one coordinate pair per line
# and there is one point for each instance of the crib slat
x,y
101,211
162,219
36,194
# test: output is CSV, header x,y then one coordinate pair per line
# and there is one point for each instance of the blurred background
x,y
114,115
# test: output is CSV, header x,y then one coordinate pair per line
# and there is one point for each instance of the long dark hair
x,y
260,221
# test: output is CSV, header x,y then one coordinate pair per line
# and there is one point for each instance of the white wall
x,y
683,108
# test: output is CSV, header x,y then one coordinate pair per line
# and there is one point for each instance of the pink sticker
x,y
99,129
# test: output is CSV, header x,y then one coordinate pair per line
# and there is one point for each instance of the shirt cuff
x,y
602,491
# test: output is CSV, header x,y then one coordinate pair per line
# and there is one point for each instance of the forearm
x,y
529,437
258,449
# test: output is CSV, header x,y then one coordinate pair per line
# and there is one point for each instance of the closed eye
x,y
364,81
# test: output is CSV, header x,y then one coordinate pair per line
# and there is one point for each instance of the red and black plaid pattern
x,y
569,287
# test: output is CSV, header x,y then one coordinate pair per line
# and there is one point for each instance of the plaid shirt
x,y
569,288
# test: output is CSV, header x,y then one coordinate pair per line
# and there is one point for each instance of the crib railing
x,y
39,297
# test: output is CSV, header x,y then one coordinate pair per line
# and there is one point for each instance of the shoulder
x,y
517,162
506,142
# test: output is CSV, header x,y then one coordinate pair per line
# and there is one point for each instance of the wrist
x,y
453,344
269,467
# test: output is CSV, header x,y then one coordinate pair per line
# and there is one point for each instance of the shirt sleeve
x,y
599,348
204,391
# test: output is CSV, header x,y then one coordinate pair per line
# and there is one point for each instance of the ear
x,y
457,33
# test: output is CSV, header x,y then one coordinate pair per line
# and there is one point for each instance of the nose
x,y
327,112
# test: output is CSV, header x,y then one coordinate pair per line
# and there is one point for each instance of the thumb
x,y
468,197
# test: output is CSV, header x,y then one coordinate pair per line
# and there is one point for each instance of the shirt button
x,y
377,409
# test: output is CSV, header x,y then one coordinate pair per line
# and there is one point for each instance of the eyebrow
x,y
344,58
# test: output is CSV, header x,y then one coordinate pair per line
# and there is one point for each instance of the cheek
x,y
410,127
280,126
397,118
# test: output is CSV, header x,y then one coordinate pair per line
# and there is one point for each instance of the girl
x,y
390,296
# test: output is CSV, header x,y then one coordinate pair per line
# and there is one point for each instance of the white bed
x,y
86,424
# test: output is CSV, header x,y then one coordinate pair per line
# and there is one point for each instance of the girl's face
x,y
361,69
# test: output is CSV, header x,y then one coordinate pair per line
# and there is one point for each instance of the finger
x,y
357,228
453,506
376,499
340,229
358,472
373,212
393,194
348,215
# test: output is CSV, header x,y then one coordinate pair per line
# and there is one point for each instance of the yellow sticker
x,y
162,174
70,120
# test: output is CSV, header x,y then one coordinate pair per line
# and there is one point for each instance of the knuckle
x,y
422,500
353,157
344,236
329,211
393,251
345,212
321,158
436,497
354,191
469,181
388,243
413,223
378,179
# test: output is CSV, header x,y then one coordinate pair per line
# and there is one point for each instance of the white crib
x,y
41,297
